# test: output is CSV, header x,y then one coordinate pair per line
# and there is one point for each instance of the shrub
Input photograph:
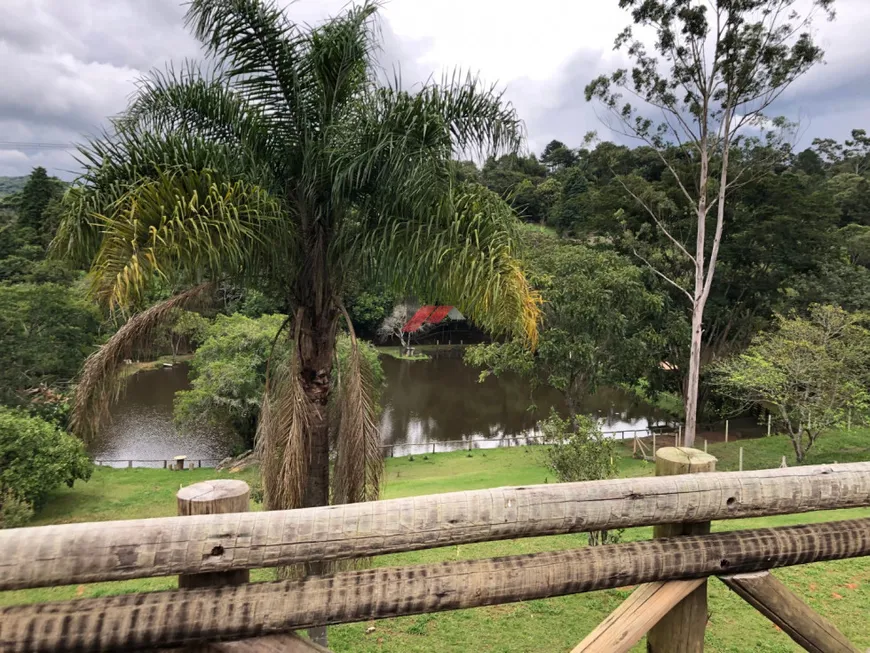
x,y
36,457
577,450
14,512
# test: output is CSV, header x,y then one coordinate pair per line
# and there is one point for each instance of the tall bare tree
x,y
703,75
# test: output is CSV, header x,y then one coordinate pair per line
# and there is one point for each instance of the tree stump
x,y
212,498
682,629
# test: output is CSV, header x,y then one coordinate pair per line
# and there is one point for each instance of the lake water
x,y
437,403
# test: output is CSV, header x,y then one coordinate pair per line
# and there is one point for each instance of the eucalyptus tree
x,y
283,163
703,75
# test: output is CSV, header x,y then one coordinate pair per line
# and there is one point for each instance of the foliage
x,y
189,328
228,372
283,162
600,321
10,185
811,373
36,196
577,450
36,457
712,73
14,512
46,332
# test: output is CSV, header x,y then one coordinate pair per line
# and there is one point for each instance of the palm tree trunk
x,y
316,352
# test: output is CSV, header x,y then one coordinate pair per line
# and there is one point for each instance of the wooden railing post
x,y
213,498
682,629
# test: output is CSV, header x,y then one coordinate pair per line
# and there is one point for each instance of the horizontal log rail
x,y
84,553
187,616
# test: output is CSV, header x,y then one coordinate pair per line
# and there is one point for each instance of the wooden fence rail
x,y
185,616
84,553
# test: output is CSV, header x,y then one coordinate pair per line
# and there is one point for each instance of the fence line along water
x,y
415,449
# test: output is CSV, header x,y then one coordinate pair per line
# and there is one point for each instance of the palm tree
x,y
282,163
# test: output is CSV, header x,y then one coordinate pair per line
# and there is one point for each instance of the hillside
x,y
9,185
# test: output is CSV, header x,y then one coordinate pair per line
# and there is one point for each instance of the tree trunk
x,y
316,351
694,375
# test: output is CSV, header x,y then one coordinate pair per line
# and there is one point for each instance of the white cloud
x,y
69,65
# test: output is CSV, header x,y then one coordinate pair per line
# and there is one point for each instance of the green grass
x,y
839,590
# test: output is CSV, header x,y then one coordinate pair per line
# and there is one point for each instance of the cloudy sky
x,y
68,64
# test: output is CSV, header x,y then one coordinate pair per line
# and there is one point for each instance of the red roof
x,y
419,319
439,314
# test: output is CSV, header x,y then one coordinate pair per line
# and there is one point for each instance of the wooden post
x,y
679,435
768,424
129,464
638,613
654,444
726,430
164,464
705,445
682,629
213,498
785,609
741,459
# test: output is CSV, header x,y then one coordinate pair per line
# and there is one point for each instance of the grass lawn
x,y
839,590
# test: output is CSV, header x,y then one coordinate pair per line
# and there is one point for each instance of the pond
x,y
437,405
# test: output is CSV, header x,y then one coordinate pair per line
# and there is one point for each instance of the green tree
x,y
577,450
285,164
46,332
714,70
228,373
599,322
810,373
36,457
37,194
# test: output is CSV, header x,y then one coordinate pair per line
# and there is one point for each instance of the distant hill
x,y
9,185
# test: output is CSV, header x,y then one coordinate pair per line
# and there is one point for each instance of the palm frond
x,y
201,102
477,116
100,382
282,436
464,252
359,463
185,225
261,52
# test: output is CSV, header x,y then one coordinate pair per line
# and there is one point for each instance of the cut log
x,y
214,498
162,619
682,629
808,628
627,625
85,553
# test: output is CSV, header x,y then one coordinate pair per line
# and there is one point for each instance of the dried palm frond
x,y
282,434
100,383
359,464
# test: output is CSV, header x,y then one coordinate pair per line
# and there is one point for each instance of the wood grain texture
x,y
179,617
627,625
682,629
85,553
214,498
808,628
271,644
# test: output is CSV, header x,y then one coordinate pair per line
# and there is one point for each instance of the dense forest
x,y
797,235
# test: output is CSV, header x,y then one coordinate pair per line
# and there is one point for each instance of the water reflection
x,y
142,428
442,401
438,401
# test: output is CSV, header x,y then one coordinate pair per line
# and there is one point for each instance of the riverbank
x,y
839,590
141,366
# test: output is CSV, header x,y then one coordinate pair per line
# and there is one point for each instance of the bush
x,y
14,512
578,451
36,457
